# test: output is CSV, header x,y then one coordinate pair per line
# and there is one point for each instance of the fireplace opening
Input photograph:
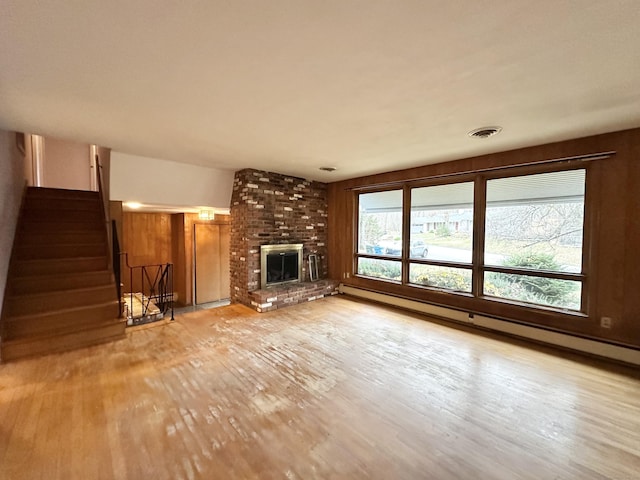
x,y
280,264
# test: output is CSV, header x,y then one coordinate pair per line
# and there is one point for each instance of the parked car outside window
x,y
419,249
394,248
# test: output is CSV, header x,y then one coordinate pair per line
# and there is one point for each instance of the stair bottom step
x,y
60,322
43,345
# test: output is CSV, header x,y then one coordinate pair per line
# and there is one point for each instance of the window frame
x,y
477,266
356,239
438,263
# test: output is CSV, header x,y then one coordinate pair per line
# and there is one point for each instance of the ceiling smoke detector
x,y
328,169
484,132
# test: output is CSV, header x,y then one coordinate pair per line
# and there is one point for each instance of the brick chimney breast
x,y
269,208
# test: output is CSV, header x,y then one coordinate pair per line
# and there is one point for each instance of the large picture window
x,y
516,238
535,223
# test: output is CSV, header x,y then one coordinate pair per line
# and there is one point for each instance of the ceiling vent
x,y
484,132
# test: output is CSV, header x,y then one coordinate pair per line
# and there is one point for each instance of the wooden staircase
x,y
61,292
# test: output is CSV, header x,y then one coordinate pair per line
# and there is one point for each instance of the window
x,y
531,237
380,233
535,222
442,231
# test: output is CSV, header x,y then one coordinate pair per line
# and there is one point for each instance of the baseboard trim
x,y
584,345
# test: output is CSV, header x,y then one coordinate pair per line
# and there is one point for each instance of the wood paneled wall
x,y
146,238
613,200
153,238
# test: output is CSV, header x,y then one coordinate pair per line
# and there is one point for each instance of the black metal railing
x,y
154,292
150,291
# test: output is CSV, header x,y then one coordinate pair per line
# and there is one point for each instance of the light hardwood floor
x,y
330,389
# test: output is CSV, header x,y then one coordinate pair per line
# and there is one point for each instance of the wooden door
x,y
225,273
211,257
207,263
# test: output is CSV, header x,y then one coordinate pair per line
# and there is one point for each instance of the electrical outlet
x,y
605,322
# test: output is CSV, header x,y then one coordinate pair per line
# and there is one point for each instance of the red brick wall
x,y
268,208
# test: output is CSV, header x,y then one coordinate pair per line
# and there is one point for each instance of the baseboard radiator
x,y
585,345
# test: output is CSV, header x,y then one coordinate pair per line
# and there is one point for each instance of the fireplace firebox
x,y
280,264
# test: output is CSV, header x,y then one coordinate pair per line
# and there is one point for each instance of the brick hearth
x,y
268,208
285,295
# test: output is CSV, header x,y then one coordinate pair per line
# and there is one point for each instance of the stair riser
x,y
52,267
49,302
92,204
34,215
55,227
59,322
32,252
60,238
60,193
24,285
69,341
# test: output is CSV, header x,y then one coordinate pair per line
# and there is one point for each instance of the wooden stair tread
x,y
60,250
54,260
18,318
59,282
61,244
15,349
66,291
60,200
39,192
35,239
64,331
63,275
59,225
59,321
22,268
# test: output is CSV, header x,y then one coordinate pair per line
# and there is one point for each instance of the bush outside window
x,y
385,269
458,279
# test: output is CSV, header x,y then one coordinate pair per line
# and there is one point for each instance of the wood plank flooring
x,y
333,389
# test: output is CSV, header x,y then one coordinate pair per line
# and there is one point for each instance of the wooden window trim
x,y
529,272
477,265
440,263
503,171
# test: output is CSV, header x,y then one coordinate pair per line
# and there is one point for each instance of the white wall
x,y
11,188
66,164
156,181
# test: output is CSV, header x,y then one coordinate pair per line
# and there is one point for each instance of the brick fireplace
x,y
268,209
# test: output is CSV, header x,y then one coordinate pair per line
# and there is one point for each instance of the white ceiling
x,y
293,85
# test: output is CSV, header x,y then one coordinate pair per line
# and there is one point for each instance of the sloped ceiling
x,y
291,86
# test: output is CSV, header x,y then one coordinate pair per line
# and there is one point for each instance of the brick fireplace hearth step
x,y
276,297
